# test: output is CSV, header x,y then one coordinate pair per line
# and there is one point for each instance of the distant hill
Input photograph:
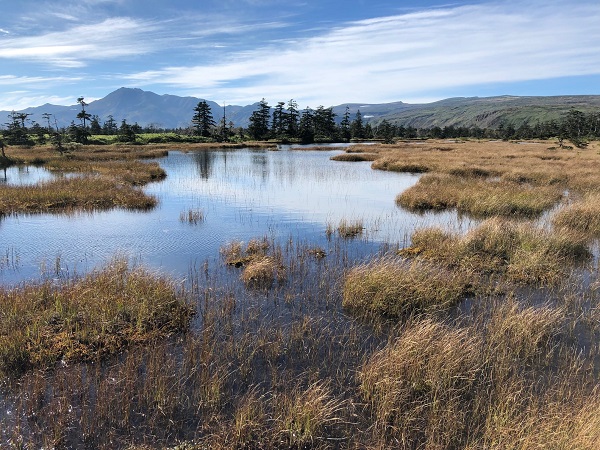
x,y
170,111
490,112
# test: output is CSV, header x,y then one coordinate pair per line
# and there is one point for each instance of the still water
x,y
243,194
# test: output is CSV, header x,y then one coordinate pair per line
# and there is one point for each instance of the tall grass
x,y
583,215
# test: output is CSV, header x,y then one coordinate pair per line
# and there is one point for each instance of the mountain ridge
x,y
171,111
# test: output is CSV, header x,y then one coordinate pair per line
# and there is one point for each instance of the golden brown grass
x,y
394,288
109,179
420,386
522,252
479,197
132,172
260,269
263,271
583,215
487,178
354,157
85,319
350,228
491,384
68,194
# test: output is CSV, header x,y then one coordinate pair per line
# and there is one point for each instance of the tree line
x,y
284,123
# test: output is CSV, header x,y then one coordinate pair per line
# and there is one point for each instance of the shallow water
x,y
243,194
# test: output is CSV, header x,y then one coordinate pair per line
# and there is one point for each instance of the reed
x,y
350,229
192,216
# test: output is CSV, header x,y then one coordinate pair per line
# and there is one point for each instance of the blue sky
x,y
315,51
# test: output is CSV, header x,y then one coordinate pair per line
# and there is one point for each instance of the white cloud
x,y
396,57
19,100
12,80
111,38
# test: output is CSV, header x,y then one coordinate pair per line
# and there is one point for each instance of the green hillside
x,y
490,112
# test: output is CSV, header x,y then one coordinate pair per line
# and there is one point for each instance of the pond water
x,y
243,194
20,175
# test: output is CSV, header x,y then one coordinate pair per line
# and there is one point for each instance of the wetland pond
x,y
241,194
260,361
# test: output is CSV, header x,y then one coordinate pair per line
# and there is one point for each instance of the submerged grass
x,y
102,313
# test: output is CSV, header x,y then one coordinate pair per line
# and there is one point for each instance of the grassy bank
x,y
86,319
105,178
485,179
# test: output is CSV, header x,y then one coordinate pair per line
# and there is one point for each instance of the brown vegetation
x,y
86,319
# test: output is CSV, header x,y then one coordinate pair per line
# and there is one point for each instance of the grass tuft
x,y
100,314
395,288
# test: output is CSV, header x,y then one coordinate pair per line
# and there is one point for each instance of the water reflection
x,y
204,163
243,194
22,175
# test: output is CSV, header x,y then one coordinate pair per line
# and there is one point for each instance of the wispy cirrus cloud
x,y
74,47
402,56
13,80
18,100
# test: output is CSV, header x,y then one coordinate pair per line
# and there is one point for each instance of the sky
x,y
317,52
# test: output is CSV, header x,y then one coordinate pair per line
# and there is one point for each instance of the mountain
x,y
170,111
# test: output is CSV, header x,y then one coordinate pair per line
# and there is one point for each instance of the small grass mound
x,y
86,319
263,271
479,197
82,193
394,288
260,269
582,216
520,251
